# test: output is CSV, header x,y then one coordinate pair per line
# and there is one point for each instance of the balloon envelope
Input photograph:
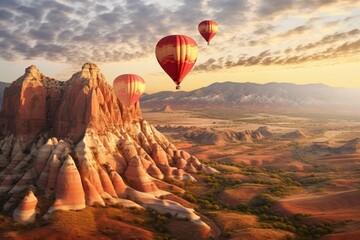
x,y
208,29
177,55
128,88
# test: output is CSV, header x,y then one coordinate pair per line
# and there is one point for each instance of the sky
x,y
296,41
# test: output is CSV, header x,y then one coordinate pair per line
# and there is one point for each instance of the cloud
x,y
34,12
263,30
348,47
331,24
351,18
296,31
5,15
270,9
267,58
230,11
328,39
121,30
59,31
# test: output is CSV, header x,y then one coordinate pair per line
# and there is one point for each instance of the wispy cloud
x,y
267,58
112,31
296,31
272,9
328,39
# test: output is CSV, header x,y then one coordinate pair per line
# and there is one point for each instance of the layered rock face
x,y
24,105
26,210
76,143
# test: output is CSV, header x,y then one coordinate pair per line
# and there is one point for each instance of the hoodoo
x,y
75,143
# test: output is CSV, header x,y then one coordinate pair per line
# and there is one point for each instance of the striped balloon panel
x,y
208,29
129,88
177,55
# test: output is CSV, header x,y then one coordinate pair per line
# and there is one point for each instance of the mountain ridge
x,y
270,95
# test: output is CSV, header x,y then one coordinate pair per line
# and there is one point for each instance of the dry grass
x,y
227,168
244,226
232,221
76,223
186,230
241,194
261,234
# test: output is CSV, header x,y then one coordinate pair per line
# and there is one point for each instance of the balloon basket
x,y
178,87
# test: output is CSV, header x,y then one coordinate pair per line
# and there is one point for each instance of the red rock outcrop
x,y
26,210
69,191
138,177
24,106
76,143
88,103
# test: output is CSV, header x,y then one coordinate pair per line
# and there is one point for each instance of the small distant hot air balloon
x,y
177,55
129,88
208,29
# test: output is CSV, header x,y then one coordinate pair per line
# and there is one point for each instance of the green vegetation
x,y
261,204
158,221
146,219
298,154
313,179
320,168
209,200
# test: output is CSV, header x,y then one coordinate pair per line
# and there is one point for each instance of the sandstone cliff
x,y
74,142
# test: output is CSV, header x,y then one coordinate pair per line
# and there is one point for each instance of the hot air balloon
x,y
129,88
208,29
177,55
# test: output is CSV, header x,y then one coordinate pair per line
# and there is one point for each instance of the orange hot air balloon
x,y
129,88
177,55
208,29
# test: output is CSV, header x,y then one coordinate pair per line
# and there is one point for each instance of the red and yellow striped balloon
x,y
177,55
208,29
128,88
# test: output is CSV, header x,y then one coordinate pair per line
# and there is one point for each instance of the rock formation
x,y
213,136
166,109
320,148
76,143
26,210
294,135
352,146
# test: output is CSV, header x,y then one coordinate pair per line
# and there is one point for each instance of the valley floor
x,y
303,182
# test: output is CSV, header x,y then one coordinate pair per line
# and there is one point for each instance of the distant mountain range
x,y
269,96
256,97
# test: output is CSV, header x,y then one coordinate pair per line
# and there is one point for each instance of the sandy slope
x,y
338,206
